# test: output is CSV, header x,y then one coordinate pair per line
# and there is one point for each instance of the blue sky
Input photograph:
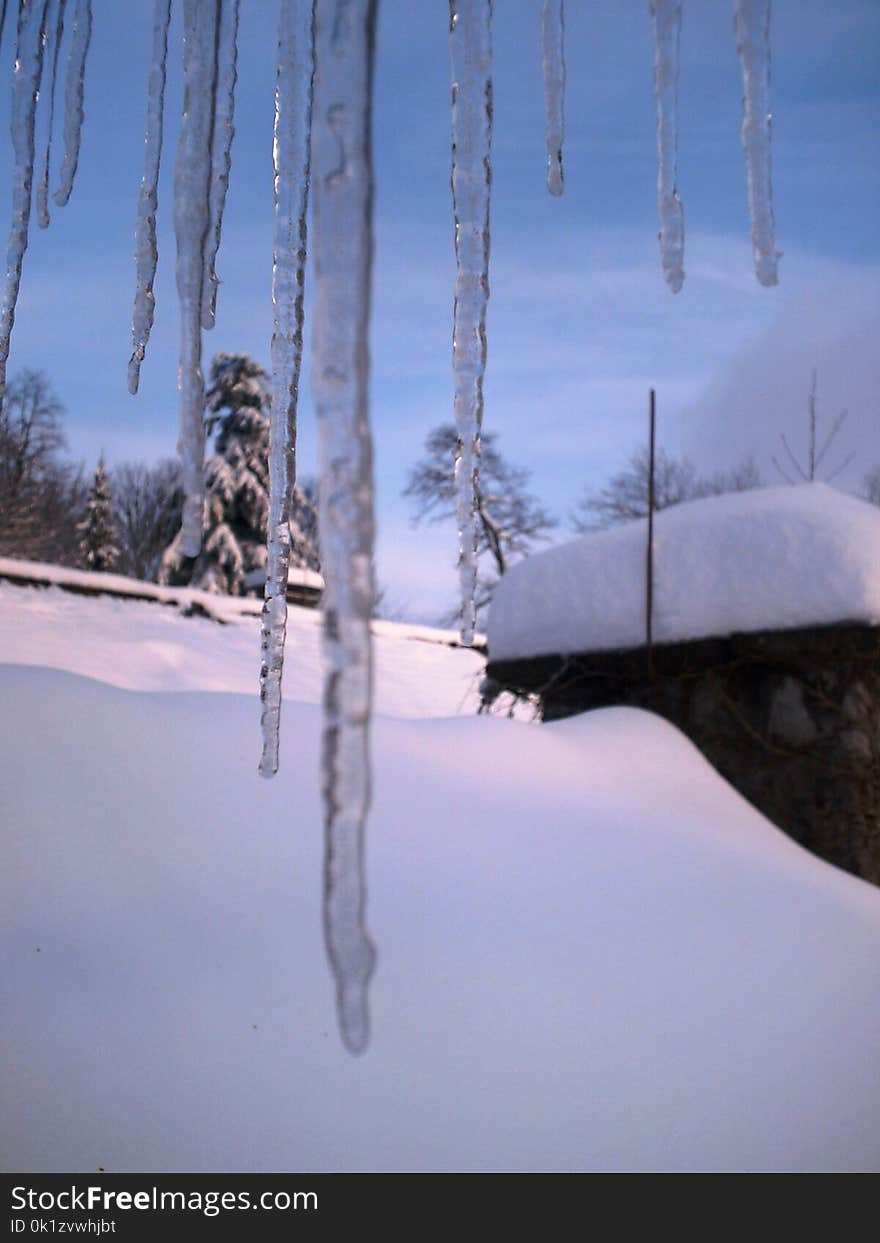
x,y
580,321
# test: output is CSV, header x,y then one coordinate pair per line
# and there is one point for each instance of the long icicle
x,y
666,28
25,89
471,48
343,248
553,66
293,119
753,44
192,176
221,160
43,179
74,90
146,249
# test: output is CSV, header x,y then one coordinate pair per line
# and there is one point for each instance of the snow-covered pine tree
x,y
98,546
233,551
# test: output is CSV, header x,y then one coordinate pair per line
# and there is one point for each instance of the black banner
x,y
167,1207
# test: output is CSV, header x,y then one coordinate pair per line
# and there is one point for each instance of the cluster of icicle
x,y
752,24
38,37
322,145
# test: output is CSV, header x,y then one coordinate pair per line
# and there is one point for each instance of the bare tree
x,y
147,506
510,520
676,479
41,497
817,451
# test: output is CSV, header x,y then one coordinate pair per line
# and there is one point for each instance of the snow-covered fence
x,y
304,587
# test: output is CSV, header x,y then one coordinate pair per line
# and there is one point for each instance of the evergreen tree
x,y
233,551
98,547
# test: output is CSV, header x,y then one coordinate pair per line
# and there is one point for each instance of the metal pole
x,y
649,566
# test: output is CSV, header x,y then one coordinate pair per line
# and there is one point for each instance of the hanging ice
x,y
192,178
471,48
342,186
73,96
146,249
43,181
753,44
666,25
553,65
224,130
293,116
25,88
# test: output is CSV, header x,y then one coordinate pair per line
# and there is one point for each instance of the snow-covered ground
x,y
141,646
773,558
592,953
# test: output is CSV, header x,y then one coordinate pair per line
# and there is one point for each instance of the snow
x,y
592,953
139,646
769,559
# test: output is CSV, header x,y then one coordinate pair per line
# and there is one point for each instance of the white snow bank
x,y
592,953
142,646
775,558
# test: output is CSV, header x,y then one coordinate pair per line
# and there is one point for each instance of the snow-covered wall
x,y
770,559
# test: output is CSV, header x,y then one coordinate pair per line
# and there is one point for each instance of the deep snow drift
x,y
592,953
768,559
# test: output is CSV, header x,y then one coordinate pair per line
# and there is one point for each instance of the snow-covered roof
x,y
770,559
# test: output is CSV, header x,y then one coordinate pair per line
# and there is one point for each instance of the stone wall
x,y
790,718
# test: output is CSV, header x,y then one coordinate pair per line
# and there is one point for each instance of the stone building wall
x,y
790,718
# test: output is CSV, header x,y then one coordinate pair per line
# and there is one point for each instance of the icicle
x,y
25,89
146,248
666,25
753,45
2,20
43,181
471,47
73,97
221,160
553,64
342,186
192,176
293,116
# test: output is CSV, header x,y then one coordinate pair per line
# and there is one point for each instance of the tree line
x,y
127,518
